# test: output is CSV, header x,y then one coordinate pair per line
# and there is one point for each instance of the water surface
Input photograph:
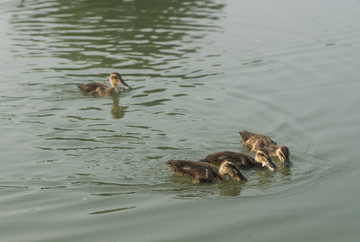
x,y
81,168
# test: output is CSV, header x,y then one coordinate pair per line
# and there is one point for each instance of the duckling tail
x,y
245,135
82,87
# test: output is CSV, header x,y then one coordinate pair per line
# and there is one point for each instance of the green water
x,y
79,168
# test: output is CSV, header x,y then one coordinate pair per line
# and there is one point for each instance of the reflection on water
x,y
110,34
229,189
199,71
117,111
204,191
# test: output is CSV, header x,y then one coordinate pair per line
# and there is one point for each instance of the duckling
x,y
202,172
96,88
262,159
258,141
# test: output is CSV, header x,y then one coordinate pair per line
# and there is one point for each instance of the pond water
x,y
82,168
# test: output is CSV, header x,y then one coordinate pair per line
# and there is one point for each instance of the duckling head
x,y
262,156
115,79
228,169
284,155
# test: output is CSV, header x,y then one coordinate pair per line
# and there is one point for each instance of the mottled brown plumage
x,y
243,161
102,90
202,172
258,141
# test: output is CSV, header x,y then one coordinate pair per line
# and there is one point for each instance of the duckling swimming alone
x,y
96,88
258,141
262,159
202,172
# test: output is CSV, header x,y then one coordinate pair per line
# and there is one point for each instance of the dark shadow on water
x,y
111,210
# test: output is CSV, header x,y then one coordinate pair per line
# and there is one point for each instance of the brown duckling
x,y
258,141
262,159
202,172
96,88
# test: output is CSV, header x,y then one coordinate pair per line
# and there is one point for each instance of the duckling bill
x,y
202,172
243,161
102,90
258,141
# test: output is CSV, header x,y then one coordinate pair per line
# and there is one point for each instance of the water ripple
x,y
199,72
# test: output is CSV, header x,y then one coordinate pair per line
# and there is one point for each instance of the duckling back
x,y
262,142
199,171
93,88
240,159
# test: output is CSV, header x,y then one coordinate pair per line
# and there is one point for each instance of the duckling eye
x,y
232,166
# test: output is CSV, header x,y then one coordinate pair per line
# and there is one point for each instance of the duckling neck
x,y
224,177
116,89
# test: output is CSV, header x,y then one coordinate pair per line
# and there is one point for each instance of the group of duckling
x,y
230,163
206,169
